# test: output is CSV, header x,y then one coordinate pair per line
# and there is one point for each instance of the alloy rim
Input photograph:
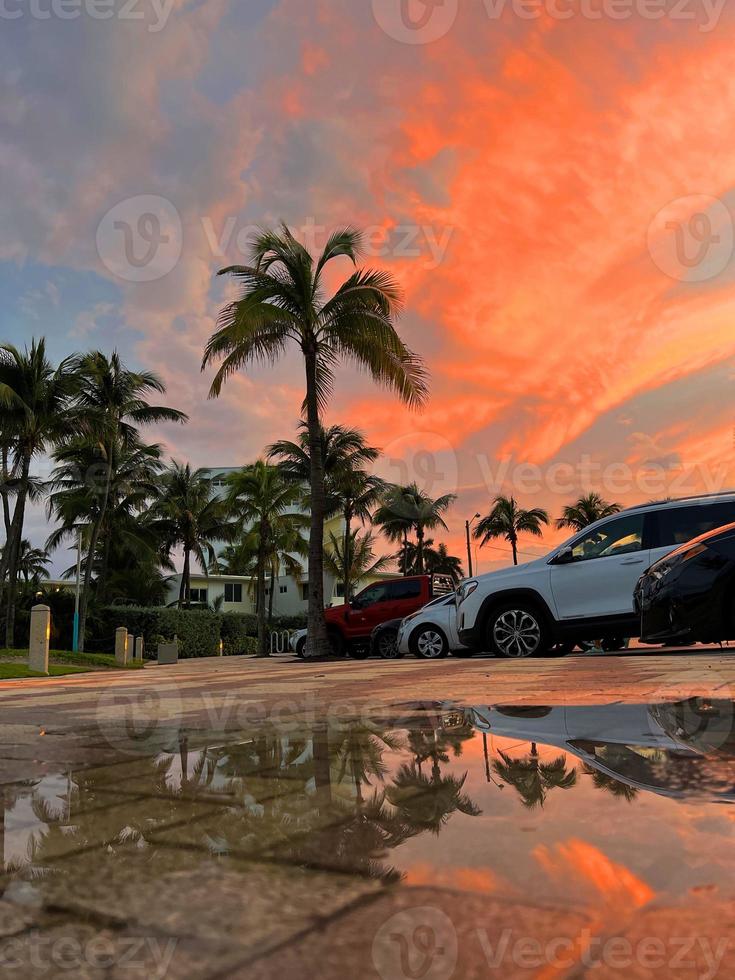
x,y
430,644
388,646
517,633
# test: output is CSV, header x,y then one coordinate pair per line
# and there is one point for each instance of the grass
x,y
65,658
12,671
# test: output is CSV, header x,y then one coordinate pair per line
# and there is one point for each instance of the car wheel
x,y
386,645
518,631
429,643
300,647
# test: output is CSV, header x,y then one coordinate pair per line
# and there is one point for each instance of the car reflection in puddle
x,y
585,806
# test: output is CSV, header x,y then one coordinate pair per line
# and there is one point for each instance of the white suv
x,y
583,589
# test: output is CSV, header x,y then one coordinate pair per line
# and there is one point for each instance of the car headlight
x,y
465,590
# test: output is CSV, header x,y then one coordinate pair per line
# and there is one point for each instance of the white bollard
x,y
39,641
121,646
138,654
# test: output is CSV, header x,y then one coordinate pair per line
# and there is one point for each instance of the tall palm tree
x,y
350,489
35,403
354,560
75,502
283,303
190,515
262,498
586,511
410,509
111,405
507,520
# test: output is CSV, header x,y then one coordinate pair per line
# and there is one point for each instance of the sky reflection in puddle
x,y
606,807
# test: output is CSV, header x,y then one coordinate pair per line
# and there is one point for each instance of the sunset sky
x,y
555,196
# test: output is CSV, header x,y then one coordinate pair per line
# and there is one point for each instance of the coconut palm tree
x,y
32,563
189,514
263,499
35,401
111,406
437,561
350,489
586,511
507,520
409,509
354,560
126,535
284,303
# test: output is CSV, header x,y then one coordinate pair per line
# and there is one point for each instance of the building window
x,y
199,596
339,590
305,591
233,592
284,589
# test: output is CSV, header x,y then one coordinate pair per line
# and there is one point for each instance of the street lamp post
x,y
468,525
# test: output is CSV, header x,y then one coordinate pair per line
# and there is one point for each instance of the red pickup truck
x,y
349,626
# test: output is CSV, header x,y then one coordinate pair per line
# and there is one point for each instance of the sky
x,y
551,181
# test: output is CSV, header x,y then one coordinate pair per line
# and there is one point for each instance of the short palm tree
x,y
32,563
437,561
35,407
354,560
264,500
410,509
507,520
283,303
351,490
189,514
111,406
586,511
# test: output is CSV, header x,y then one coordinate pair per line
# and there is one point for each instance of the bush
x,y
238,632
198,630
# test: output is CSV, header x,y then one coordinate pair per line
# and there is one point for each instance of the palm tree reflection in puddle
x,y
336,796
532,778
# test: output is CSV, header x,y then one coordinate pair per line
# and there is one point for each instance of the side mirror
x,y
565,557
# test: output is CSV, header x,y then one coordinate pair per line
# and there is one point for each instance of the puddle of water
x,y
602,807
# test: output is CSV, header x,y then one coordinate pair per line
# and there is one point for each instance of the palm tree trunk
x,y
270,597
93,541
262,649
185,590
405,553
514,546
419,549
347,558
317,644
13,547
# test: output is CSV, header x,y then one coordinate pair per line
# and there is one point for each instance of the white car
x,y
431,633
583,589
298,642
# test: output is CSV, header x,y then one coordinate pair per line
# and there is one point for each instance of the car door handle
x,y
632,561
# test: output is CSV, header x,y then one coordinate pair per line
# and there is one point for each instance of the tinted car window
x,y
375,593
621,537
405,590
677,525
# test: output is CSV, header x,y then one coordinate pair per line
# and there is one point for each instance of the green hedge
x,y
199,631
